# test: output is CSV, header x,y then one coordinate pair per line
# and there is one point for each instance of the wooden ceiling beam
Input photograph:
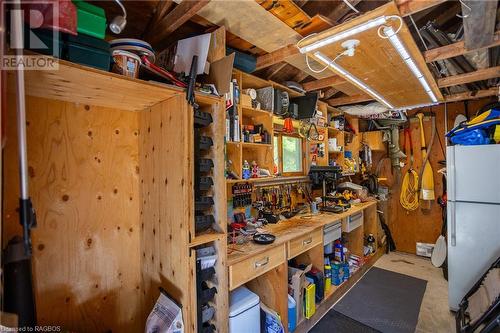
x,y
173,20
349,100
472,95
479,75
323,83
406,7
409,7
275,57
456,49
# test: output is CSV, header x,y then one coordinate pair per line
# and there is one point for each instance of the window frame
x,y
280,154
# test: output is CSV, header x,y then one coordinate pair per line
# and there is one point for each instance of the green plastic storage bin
x,y
91,20
87,50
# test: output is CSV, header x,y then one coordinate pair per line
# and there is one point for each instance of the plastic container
x,y
87,50
91,20
46,43
328,248
244,311
292,314
345,269
126,63
339,251
336,274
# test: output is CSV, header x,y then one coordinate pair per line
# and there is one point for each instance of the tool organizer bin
x,y
209,216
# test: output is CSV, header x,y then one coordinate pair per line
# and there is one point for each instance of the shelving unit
x,y
113,175
262,153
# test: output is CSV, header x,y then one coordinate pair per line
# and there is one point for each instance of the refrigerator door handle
x,y
450,173
453,223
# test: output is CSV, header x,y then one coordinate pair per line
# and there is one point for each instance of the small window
x,y
292,154
288,157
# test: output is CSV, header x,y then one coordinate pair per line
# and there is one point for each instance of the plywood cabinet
x,y
111,177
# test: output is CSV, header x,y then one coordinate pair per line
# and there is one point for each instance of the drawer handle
x,y
261,263
307,241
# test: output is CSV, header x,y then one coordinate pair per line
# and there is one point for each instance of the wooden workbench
x,y
264,268
290,229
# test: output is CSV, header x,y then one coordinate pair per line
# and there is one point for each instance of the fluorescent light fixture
x,y
344,34
396,42
351,78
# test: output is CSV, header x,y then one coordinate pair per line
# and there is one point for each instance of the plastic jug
x,y
292,314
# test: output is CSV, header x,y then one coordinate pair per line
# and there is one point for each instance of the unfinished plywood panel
x,y
80,84
377,63
84,182
251,22
247,17
407,228
166,181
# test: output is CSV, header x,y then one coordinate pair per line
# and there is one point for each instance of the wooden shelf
x,y
89,86
254,144
251,111
270,180
251,180
80,84
206,237
250,144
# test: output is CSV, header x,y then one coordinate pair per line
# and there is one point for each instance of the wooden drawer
x,y
252,267
303,243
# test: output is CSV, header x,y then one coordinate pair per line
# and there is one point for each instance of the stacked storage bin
x,y
204,220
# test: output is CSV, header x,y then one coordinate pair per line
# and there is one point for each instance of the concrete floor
x,y
434,315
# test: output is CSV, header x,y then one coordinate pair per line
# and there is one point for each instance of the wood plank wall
x,y
166,207
419,226
83,168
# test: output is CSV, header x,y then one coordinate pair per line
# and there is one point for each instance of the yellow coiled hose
x,y
409,191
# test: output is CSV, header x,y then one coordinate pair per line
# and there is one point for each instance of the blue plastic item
x,y
475,131
245,62
292,314
345,268
336,276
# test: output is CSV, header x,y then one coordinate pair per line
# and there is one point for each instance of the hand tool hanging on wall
x,y
19,296
427,176
409,188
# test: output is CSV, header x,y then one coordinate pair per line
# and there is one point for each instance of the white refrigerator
x,y
473,185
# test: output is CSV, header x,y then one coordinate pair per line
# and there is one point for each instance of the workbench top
x,y
289,229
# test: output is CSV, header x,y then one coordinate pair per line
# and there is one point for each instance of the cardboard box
x,y
297,283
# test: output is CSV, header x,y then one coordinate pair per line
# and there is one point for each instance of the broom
x,y
427,177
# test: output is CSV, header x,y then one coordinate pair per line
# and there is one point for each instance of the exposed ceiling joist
x,y
456,49
329,93
406,7
409,7
349,100
479,75
173,20
275,57
472,95
162,8
323,83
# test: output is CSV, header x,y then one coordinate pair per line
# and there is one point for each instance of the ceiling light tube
x,y
344,34
398,45
351,78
